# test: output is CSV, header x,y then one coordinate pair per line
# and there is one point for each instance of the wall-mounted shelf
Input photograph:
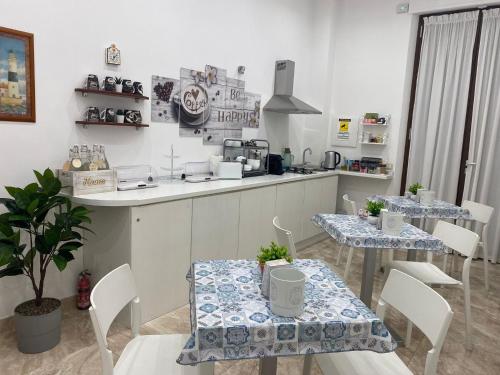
x,y
136,97
374,143
101,123
370,124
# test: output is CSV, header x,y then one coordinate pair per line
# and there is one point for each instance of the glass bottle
x,y
102,157
85,155
75,159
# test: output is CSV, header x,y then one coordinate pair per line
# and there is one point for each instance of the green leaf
x,y
11,271
30,255
6,252
70,246
60,262
32,206
49,183
66,255
13,191
52,236
41,244
31,188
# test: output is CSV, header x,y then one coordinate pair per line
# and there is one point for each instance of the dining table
x,y
415,210
356,232
232,320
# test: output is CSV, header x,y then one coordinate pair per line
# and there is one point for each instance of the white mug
x,y
287,292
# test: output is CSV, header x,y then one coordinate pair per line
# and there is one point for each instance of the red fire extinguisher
x,y
83,298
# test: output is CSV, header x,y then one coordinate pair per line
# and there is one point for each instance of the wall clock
x,y
113,55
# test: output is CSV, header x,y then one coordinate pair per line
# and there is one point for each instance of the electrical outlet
x,y
403,8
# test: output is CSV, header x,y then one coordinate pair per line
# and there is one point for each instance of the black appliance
x,y
275,164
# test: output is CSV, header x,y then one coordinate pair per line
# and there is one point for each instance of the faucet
x,y
304,156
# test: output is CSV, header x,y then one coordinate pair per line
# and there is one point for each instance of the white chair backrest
x,y
109,296
457,238
480,212
285,237
423,306
349,205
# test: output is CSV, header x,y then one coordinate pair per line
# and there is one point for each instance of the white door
x,y
320,197
257,210
215,227
161,243
289,205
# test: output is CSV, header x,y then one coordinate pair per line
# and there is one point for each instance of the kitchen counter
x,y
175,190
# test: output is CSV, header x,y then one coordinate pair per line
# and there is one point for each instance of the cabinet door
x,y
215,227
289,204
257,210
161,243
320,197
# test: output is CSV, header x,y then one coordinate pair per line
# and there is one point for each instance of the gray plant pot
x,y
38,333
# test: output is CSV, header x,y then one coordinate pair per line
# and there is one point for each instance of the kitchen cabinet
x,y
257,210
215,224
320,196
289,204
160,255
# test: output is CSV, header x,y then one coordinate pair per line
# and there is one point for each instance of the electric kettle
x,y
332,159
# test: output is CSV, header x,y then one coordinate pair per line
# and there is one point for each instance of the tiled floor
x,y
78,354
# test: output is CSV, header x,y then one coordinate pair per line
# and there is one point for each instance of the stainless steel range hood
x,y
283,100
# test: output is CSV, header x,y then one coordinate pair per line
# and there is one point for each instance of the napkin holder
x,y
426,197
392,222
268,267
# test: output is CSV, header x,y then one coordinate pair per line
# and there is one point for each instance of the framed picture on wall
x,y
17,76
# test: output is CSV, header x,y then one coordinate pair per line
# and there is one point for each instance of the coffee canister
x,y
287,292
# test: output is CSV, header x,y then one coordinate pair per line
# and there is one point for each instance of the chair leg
x,y
348,263
306,370
485,262
341,250
468,319
445,261
409,328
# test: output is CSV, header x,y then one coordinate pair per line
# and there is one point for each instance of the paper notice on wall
x,y
345,131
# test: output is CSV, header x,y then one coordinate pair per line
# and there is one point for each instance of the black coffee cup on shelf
x,y
138,117
138,88
129,116
92,114
128,86
92,82
109,84
108,115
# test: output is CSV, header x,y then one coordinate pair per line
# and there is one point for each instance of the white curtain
x,y
441,102
483,179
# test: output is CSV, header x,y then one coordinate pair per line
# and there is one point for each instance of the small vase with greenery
x,y
413,189
40,227
374,208
273,252
118,84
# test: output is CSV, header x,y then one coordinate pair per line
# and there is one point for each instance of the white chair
x,y
152,354
481,213
285,237
350,208
460,240
419,303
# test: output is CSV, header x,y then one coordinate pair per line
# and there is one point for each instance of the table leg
x,y
268,366
369,261
307,364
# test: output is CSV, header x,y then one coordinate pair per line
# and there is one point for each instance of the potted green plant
x,y
374,208
118,84
40,227
120,117
413,189
273,252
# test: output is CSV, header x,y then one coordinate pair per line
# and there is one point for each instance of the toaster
x,y
228,170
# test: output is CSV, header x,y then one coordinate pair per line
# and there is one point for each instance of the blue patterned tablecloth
x,y
436,210
356,232
231,319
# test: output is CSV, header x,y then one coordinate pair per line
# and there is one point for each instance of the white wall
x,y
156,37
429,6
372,73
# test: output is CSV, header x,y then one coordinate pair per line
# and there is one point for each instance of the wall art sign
x,y
206,104
113,55
162,101
17,76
